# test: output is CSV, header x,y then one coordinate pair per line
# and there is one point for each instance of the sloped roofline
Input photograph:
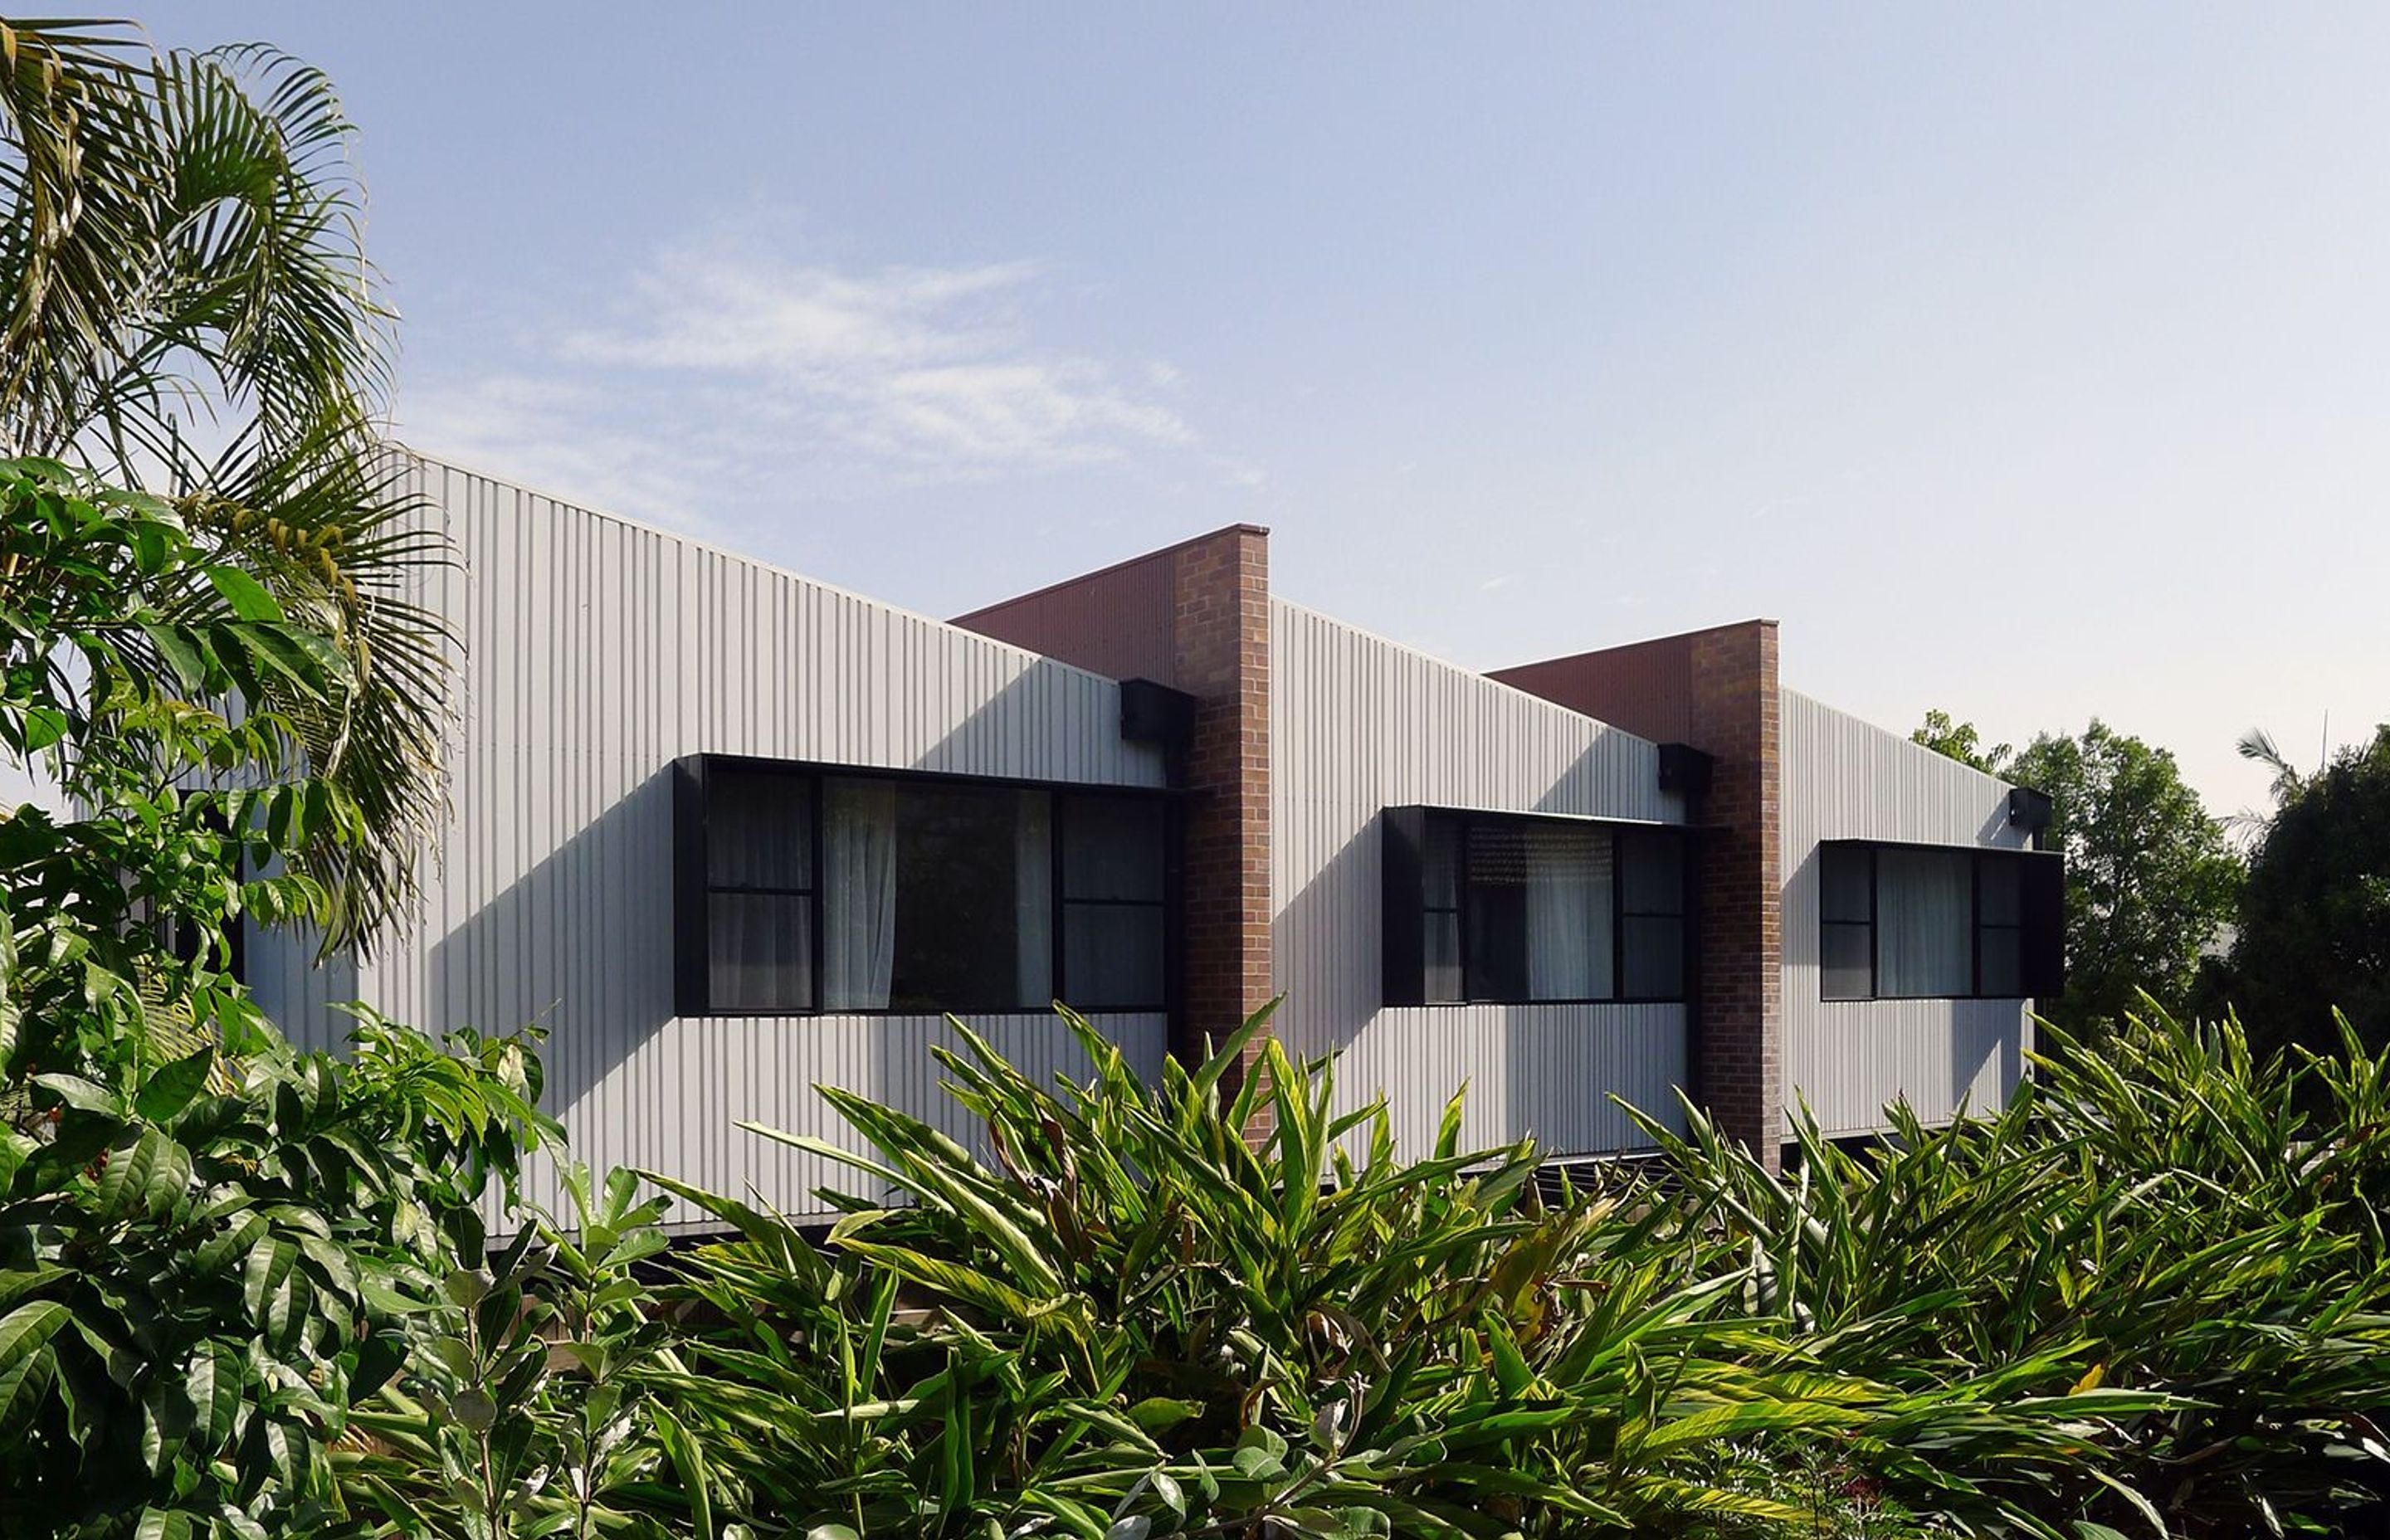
x,y
715,549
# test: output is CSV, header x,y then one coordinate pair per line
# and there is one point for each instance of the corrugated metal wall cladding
x,y
593,654
1848,780
1360,724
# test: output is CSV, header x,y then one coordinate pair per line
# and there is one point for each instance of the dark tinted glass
x,y
1656,957
1996,891
758,830
958,927
1999,957
1111,848
1441,861
1843,884
1847,961
1443,981
761,952
1654,875
1112,956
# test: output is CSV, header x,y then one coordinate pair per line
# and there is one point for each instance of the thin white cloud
x,y
725,362
931,367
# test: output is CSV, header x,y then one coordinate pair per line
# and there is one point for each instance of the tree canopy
x,y
2315,920
2151,878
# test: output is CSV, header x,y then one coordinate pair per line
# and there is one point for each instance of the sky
x,y
2030,362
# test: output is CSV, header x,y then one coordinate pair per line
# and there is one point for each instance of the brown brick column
x,y
1220,638
1739,990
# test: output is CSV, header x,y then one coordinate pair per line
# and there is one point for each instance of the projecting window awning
x,y
1531,909
820,890
1938,922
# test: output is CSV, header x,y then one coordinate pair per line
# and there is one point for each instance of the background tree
x,y
2315,917
185,310
2151,879
1959,741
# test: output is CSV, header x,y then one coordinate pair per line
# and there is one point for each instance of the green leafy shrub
x,y
1140,1323
2167,1220
198,1282
209,1244
531,1408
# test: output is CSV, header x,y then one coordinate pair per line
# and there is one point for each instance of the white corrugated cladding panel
x,y
598,651
1848,780
1360,724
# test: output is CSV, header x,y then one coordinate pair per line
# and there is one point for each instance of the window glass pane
x,y
1033,897
956,943
2002,962
1111,848
1654,964
762,952
1655,878
1539,906
1925,920
1444,982
758,830
1842,884
1112,956
1846,964
1441,864
859,893
1998,893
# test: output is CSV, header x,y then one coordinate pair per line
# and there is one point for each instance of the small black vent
x,y
1684,768
2028,809
1156,714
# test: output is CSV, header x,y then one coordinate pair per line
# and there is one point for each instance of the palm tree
x,y
2258,744
2248,826
185,308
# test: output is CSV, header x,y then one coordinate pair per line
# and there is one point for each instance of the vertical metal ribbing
x,y
596,652
1362,723
1845,779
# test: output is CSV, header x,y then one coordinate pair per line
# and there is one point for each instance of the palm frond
x,y
185,306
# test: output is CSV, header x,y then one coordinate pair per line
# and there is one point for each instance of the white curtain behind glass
x,y
1033,887
1442,902
1924,922
1568,914
859,893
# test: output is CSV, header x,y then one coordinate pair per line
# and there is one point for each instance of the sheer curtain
x,y
1568,914
859,893
1925,923
1441,906
1033,898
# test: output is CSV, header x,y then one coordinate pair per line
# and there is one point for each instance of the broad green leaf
x,y
185,650
269,1265
147,1175
162,1525
81,1095
216,1381
248,597
25,1365
170,1090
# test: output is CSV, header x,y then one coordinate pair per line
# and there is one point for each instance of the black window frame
x,y
693,889
1405,833
2039,925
